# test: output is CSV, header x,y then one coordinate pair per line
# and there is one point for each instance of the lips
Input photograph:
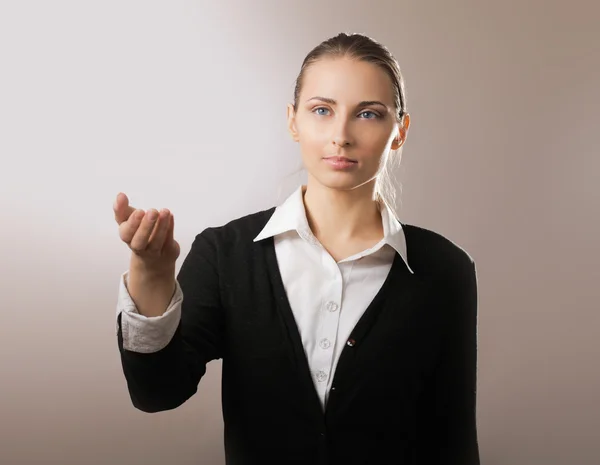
x,y
340,163
340,159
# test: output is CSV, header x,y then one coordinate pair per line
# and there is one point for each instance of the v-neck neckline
x,y
398,270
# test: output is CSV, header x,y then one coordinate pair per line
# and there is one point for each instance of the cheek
x,y
374,136
314,139
311,151
313,131
373,145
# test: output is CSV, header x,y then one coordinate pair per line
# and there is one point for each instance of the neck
x,y
342,215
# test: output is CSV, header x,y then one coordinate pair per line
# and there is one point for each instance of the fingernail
x,y
152,215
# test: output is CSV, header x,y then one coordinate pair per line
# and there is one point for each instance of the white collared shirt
x,y
327,297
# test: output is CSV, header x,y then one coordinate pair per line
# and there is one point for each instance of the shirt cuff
x,y
147,334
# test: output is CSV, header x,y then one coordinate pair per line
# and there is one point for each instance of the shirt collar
x,y
291,216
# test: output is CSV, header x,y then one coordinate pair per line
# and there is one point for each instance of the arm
x,y
164,379
447,419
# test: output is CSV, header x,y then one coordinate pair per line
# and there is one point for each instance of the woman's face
x,y
345,109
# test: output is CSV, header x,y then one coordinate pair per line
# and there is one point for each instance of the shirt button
x,y
332,306
325,343
321,376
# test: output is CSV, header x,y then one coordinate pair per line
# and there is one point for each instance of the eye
x,y
321,111
371,113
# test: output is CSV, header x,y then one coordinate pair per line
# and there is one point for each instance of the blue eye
x,y
316,110
374,115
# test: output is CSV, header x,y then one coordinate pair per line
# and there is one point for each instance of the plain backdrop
x,y
181,104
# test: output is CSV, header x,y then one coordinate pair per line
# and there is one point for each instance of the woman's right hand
x,y
150,239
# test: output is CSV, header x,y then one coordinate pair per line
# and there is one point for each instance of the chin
x,y
340,181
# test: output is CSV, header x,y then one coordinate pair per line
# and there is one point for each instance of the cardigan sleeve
x,y
447,433
164,379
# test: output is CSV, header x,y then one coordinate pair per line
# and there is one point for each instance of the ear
x,y
291,121
402,132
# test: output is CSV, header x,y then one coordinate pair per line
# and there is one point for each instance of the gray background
x,y
182,105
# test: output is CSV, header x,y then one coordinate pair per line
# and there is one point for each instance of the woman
x,y
346,336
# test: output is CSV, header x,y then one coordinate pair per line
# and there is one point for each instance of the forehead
x,y
347,80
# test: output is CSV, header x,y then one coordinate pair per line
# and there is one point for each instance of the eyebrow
x,y
364,103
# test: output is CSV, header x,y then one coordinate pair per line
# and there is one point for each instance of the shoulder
x,y
431,252
445,264
241,230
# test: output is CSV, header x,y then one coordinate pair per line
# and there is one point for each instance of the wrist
x,y
153,273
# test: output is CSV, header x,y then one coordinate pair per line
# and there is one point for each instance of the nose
x,y
341,134
341,141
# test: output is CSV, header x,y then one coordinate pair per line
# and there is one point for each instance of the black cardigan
x,y
404,390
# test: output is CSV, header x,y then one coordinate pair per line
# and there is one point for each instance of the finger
x,y
171,227
170,239
127,229
169,234
140,239
121,208
157,238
